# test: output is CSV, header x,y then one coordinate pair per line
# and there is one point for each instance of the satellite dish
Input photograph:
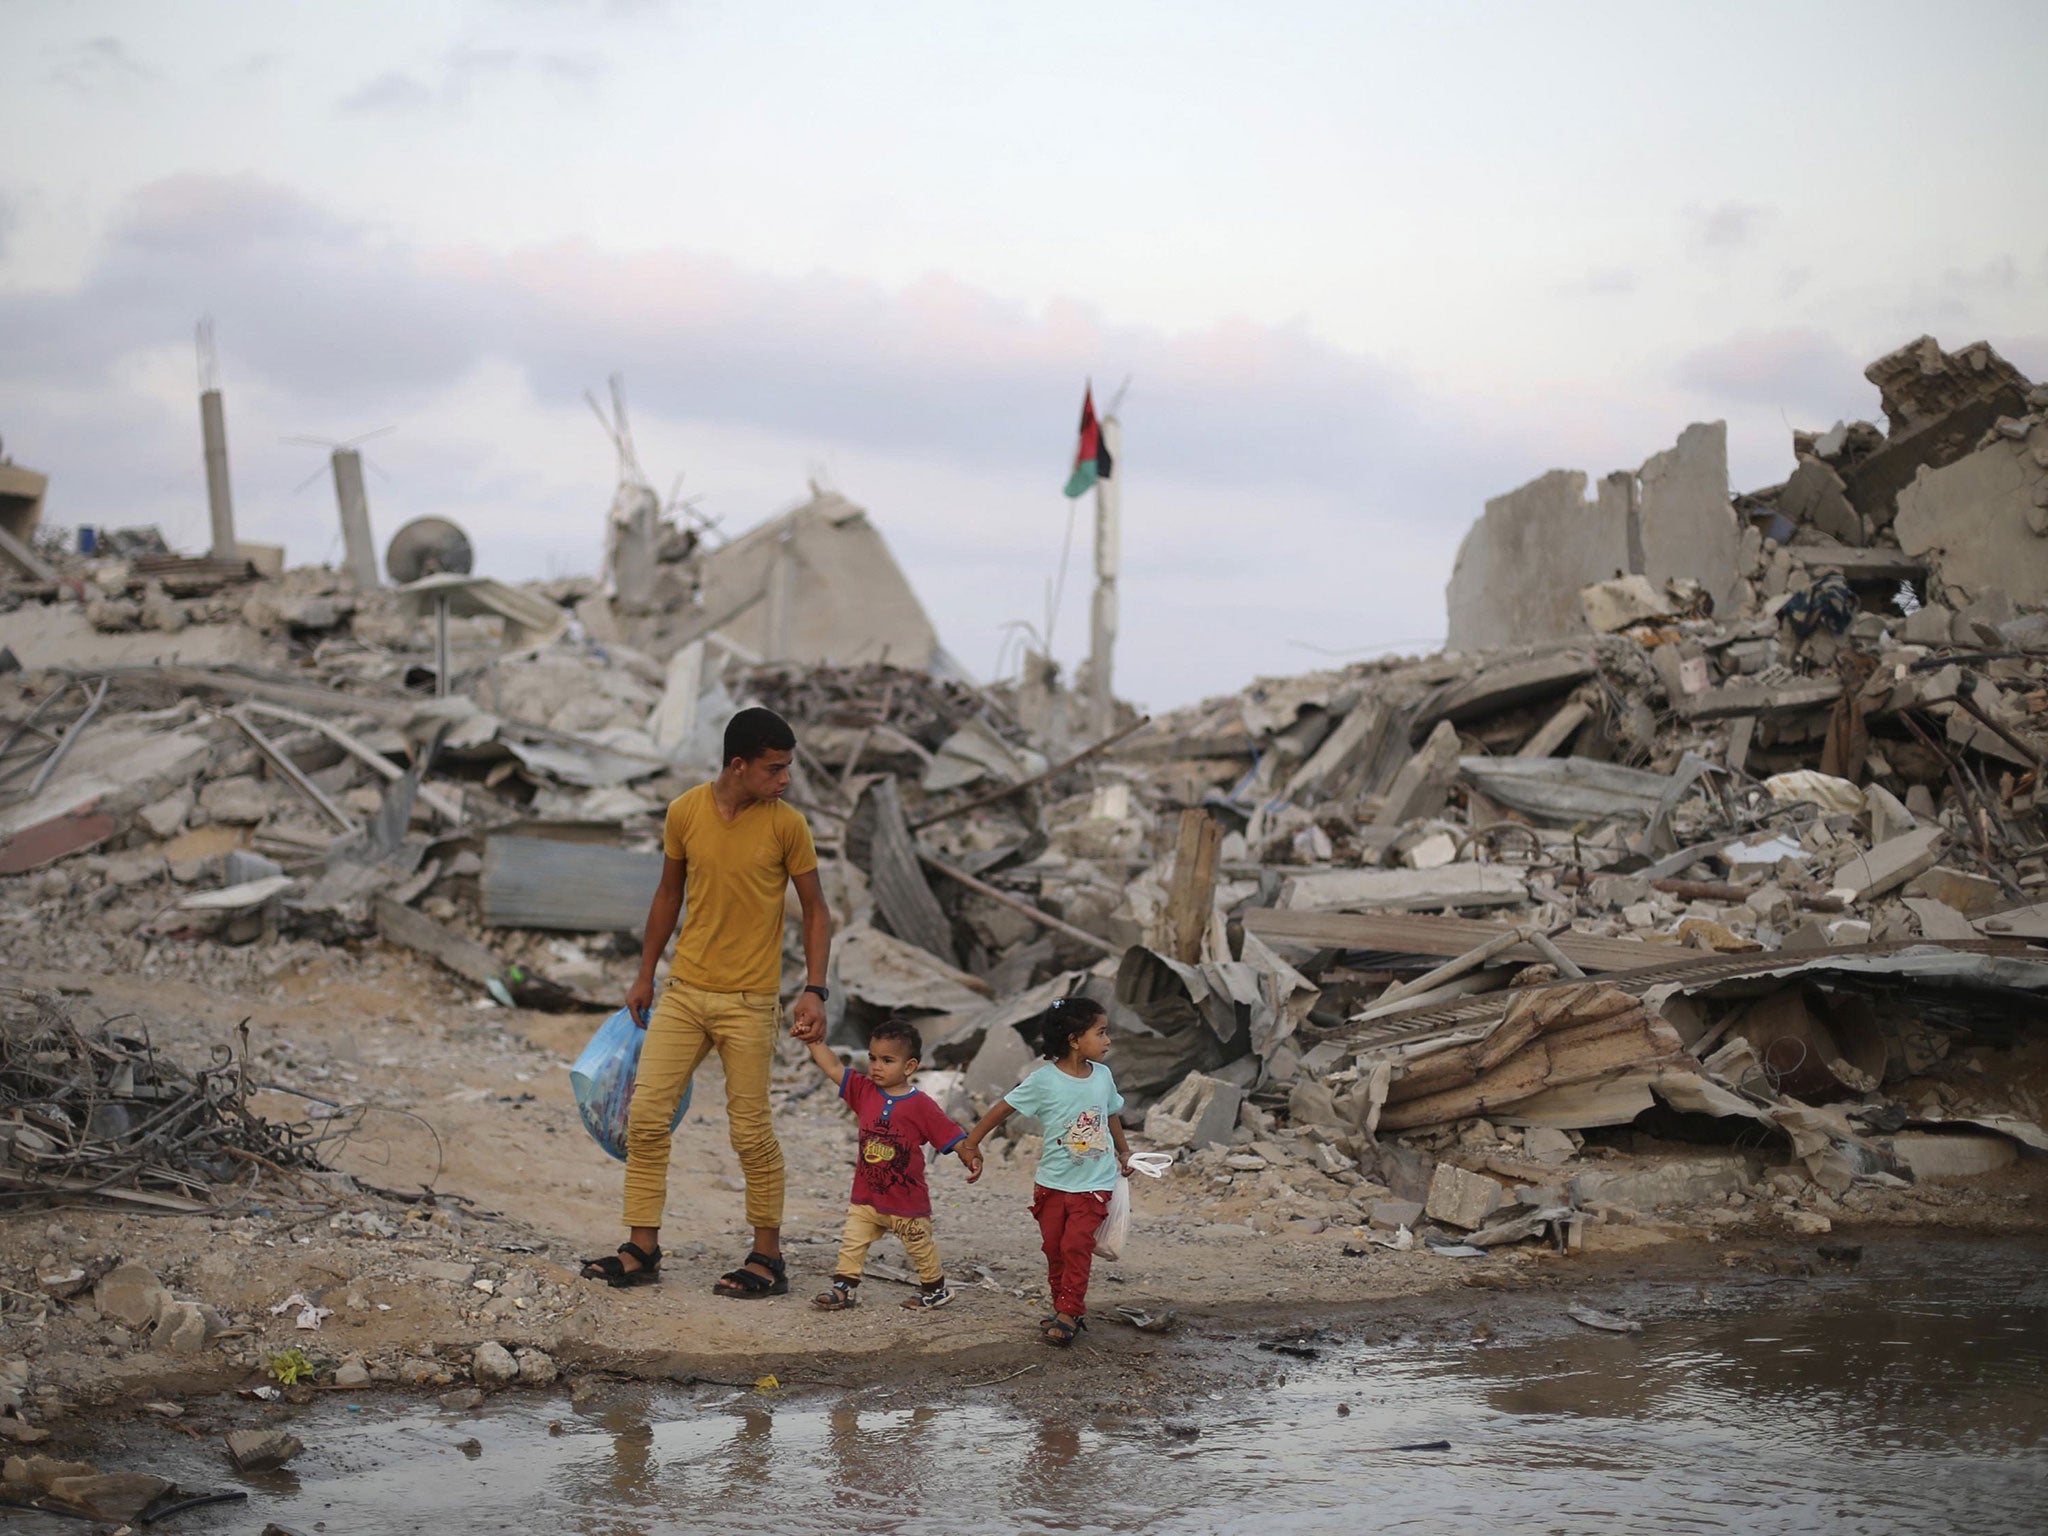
x,y
428,546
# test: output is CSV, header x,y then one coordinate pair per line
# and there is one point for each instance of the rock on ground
x,y
130,1294
493,1366
262,1450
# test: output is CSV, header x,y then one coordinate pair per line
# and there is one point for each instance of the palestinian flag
x,y
1091,457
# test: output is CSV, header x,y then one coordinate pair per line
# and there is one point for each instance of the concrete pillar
x,y
1108,559
359,548
781,579
220,501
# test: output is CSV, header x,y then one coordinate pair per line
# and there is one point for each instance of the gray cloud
x,y
1799,370
97,62
1726,227
341,317
1272,473
393,92
1610,282
460,72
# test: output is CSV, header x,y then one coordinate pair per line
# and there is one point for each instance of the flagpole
x,y
1108,546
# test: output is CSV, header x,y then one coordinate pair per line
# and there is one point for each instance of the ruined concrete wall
x,y
1520,567
846,600
1984,518
1686,526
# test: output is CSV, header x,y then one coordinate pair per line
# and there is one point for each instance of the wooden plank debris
x,y
1409,933
1191,898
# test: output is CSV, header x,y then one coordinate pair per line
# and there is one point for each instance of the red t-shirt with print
x,y
888,1170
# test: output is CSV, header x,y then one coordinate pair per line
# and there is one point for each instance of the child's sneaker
x,y
844,1294
934,1295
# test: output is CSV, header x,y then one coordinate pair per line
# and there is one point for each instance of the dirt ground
x,y
474,1102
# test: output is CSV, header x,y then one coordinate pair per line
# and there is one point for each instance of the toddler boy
x,y
889,1190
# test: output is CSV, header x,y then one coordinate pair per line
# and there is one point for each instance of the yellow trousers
x,y
865,1224
688,1025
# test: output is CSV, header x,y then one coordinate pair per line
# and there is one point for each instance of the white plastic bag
x,y
1115,1230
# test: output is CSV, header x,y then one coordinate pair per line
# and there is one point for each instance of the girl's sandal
x,y
841,1297
743,1284
615,1274
1059,1333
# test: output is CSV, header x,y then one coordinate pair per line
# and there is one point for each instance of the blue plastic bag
x,y
602,1080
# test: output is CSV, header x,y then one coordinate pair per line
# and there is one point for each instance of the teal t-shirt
x,y
1074,1115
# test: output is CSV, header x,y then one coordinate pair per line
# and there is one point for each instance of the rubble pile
x,y
96,1113
1750,857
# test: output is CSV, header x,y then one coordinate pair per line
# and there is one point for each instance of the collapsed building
x,y
1706,868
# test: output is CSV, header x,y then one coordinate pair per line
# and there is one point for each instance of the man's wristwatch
x,y
822,994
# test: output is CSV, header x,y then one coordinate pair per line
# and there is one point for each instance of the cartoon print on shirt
x,y
886,1170
1086,1136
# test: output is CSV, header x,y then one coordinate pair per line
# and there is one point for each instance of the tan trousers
x,y
865,1224
688,1025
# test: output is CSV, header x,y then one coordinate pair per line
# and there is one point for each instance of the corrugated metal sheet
x,y
536,882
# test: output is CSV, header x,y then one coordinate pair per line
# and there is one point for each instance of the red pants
x,y
1067,1222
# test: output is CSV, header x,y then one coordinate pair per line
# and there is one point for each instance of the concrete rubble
x,y
1705,883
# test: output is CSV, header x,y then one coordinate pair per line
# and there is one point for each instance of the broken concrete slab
x,y
1889,865
131,1294
1684,527
1392,1215
118,1497
1972,516
1969,894
262,1450
1564,790
1816,497
1461,1198
1200,1112
1504,684
1424,782
1953,1155
1521,566
1939,920
1454,885
1617,603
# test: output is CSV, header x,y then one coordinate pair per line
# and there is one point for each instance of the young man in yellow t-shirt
x,y
734,845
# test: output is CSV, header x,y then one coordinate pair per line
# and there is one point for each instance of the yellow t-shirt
x,y
732,893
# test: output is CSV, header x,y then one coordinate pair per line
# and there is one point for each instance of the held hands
x,y
640,1000
807,1018
970,1158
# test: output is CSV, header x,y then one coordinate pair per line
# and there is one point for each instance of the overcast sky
x,y
1365,266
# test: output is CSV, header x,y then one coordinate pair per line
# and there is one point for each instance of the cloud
x,y
1725,228
1788,368
1269,472
1610,282
460,72
392,93
94,62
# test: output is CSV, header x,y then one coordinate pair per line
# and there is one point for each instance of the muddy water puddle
x,y
1906,1393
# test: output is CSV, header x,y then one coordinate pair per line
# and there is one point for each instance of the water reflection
x,y
1910,1395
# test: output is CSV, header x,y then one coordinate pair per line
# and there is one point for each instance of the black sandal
x,y
1059,1333
615,1274
743,1284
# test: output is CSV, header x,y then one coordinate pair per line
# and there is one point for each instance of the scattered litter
x,y
1606,1322
309,1314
